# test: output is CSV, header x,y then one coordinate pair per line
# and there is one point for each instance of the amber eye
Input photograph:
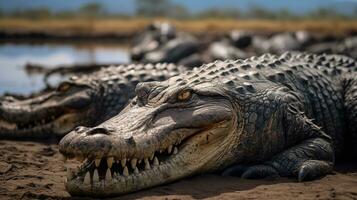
x,y
63,87
184,95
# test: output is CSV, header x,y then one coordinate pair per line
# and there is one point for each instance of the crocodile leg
x,y
306,161
310,158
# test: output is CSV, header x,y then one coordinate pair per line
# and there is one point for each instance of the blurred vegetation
x,y
166,8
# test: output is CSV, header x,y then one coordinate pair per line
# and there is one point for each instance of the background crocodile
x,y
259,117
85,100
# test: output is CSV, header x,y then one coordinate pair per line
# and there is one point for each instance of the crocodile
x,y
267,116
82,100
161,42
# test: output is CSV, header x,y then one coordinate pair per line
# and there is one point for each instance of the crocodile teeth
x,y
133,163
86,179
97,162
108,175
152,156
169,149
140,161
156,162
123,162
147,164
110,162
125,171
69,174
95,176
175,150
136,171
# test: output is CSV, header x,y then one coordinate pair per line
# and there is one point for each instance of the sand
x,y
32,170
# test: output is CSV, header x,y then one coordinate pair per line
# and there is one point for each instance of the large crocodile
x,y
84,100
255,118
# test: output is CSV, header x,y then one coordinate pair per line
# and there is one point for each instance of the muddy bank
x,y
31,170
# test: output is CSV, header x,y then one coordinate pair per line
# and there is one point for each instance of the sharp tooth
x,y
97,162
152,156
86,179
108,175
69,174
175,150
156,162
115,175
110,162
95,176
140,161
123,162
133,162
147,164
125,171
136,171
169,149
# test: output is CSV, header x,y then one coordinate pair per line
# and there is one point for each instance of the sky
x,y
128,6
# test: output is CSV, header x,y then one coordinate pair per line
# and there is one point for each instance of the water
x,y
13,58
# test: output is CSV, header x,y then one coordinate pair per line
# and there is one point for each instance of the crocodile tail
x,y
350,96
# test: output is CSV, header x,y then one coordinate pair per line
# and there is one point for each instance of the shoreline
x,y
123,30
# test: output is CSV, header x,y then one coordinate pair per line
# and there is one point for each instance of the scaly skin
x,y
264,116
87,100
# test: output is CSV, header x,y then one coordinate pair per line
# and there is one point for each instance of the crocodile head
x,y
56,112
170,130
82,101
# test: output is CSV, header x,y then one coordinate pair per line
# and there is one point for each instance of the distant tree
x,y
260,13
220,13
66,14
285,14
35,13
178,12
153,8
326,13
91,9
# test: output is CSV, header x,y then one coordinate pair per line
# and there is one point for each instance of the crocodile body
x,y
254,118
82,100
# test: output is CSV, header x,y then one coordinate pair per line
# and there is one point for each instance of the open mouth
x,y
32,124
50,126
107,173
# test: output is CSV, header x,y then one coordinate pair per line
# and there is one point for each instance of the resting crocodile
x,y
255,118
85,100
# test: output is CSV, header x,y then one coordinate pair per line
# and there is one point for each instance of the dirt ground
x,y
31,170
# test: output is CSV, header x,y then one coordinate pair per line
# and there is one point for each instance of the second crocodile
x,y
86,100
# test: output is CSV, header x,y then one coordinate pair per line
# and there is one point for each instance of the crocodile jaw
x,y
109,176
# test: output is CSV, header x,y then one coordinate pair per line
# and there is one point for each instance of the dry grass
x,y
128,26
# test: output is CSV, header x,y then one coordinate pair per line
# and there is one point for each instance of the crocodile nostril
x,y
98,130
80,129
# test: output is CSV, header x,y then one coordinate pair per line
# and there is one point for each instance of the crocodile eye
x,y
63,87
184,95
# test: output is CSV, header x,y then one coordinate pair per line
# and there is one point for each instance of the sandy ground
x,y
30,170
